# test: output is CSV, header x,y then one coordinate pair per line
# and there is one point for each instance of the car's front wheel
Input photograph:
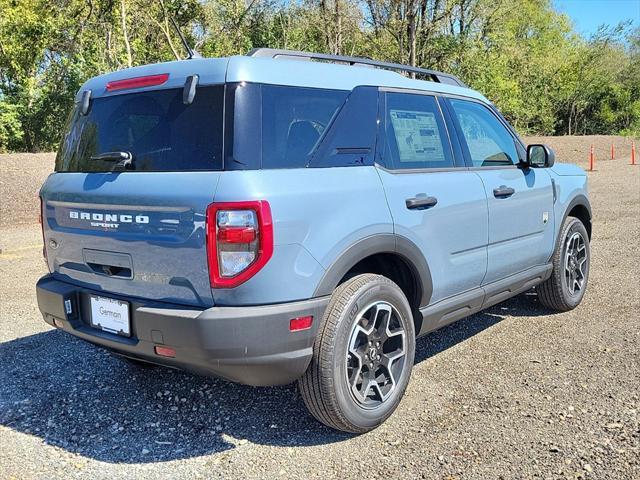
x,y
567,285
362,356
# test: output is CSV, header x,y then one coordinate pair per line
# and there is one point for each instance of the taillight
x,y
137,82
239,241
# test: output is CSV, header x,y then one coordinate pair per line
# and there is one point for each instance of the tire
x,y
556,292
367,327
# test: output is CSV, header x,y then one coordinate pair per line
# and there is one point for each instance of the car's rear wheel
x,y
362,357
567,285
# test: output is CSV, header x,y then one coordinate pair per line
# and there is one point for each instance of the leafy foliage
x,y
521,54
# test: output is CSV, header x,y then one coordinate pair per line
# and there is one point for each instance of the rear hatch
x,y
124,212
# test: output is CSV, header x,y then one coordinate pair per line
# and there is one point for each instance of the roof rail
x,y
323,57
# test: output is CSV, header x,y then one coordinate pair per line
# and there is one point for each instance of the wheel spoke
x,y
391,333
363,391
581,265
388,359
572,283
381,318
381,394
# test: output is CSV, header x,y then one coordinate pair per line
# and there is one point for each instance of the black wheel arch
x,y
384,243
580,208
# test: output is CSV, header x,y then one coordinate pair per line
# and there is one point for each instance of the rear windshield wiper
x,y
124,159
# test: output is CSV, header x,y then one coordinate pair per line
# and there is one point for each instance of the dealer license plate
x,y
110,315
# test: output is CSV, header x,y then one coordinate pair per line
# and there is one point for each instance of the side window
x,y
488,142
416,136
293,120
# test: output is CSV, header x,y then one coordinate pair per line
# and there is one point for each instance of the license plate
x,y
110,315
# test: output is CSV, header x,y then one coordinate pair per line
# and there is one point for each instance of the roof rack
x,y
360,61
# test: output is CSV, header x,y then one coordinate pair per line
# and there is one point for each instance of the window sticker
x,y
417,136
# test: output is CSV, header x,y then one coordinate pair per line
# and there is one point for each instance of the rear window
x,y
159,131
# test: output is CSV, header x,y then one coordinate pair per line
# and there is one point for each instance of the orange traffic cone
x,y
591,158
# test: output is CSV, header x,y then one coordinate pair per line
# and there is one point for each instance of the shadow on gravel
x,y
82,399
524,305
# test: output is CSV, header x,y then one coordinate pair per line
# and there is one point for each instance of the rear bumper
x,y
250,345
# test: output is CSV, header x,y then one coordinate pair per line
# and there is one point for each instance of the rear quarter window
x,y
156,127
277,126
293,121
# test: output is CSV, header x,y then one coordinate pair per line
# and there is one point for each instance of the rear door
x,y
136,230
438,205
520,199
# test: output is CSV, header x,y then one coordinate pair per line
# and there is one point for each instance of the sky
x,y
587,15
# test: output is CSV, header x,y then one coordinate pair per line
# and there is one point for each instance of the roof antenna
x,y
191,53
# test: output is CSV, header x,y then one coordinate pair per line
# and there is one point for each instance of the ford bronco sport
x,y
288,216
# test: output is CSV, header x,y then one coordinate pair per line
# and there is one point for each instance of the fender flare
x,y
374,244
579,199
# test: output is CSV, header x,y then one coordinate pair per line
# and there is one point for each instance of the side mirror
x,y
540,156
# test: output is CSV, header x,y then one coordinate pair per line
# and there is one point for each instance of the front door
x,y
521,231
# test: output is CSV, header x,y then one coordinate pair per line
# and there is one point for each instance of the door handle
x,y
503,191
421,202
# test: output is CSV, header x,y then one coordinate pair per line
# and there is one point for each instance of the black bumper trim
x,y
246,344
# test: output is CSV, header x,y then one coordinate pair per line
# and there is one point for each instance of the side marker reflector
x,y
300,323
164,351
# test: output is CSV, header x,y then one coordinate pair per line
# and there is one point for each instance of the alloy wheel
x,y
575,263
376,354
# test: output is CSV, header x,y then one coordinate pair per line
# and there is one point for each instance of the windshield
x,y
156,128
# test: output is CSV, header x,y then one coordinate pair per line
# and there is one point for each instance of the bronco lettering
x,y
108,217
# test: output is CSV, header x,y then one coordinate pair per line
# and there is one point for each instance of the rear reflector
x,y
137,82
236,234
165,351
300,323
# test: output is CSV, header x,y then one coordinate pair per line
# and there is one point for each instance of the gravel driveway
x,y
512,392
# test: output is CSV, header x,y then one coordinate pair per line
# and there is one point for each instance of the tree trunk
x,y
123,16
107,49
327,27
338,20
400,33
411,33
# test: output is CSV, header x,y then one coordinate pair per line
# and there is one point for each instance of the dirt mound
x,y
21,176
575,149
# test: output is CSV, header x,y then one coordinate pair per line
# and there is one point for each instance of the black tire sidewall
x,y
572,227
371,292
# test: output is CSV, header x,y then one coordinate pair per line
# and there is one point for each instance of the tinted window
x,y
415,133
351,138
156,127
293,120
488,142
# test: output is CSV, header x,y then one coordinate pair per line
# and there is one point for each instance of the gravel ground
x,y
513,392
